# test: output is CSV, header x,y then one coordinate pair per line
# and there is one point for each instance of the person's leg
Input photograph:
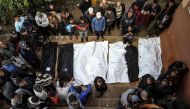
x,y
81,36
84,94
109,29
123,31
113,25
124,40
86,35
97,34
118,22
102,34
45,33
70,36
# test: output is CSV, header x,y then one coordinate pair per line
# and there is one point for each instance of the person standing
x,y
84,5
82,27
110,19
43,24
89,15
154,10
98,25
119,11
127,19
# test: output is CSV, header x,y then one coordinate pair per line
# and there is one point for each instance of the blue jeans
x,y
83,96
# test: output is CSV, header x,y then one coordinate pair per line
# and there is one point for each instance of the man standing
x,y
98,25
43,24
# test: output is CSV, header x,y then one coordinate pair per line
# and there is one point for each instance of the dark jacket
x,y
143,83
166,23
156,10
131,58
85,5
126,21
142,19
110,18
6,53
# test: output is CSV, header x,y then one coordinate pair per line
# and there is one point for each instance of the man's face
x,y
2,45
86,0
144,12
129,28
99,83
16,18
23,83
17,97
130,14
82,21
154,5
149,81
171,3
2,74
51,6
104,1
163,83
71,21
118,3
109,12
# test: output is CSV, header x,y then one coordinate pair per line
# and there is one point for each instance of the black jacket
x,y
85,5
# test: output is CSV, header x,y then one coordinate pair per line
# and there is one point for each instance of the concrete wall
x,y
175,42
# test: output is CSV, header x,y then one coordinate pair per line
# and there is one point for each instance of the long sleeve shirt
x,y
98,24
43,21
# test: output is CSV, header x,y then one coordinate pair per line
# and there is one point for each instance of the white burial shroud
x,y
90,60
117,69
150,61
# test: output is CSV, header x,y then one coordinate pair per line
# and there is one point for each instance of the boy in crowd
x,y
83,29
71,28
127,19
110,19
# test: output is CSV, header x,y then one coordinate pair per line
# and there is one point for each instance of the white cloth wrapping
x,y
90,60
150,61
117,68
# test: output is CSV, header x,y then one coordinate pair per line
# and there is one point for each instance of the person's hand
x,y
27,48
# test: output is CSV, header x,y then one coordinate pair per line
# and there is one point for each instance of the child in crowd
x,y
71,28
83,29
110,19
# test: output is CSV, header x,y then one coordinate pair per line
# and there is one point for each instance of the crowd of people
x,y
162,93
98,20
24,86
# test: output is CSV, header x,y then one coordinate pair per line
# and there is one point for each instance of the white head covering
x,y
98,15
90,10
